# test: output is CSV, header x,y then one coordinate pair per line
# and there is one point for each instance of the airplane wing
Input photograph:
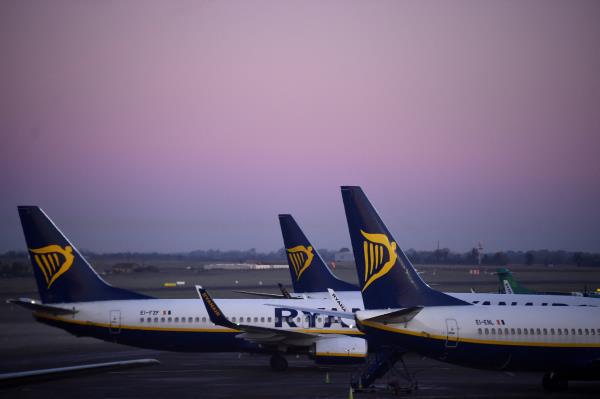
x,y
34,376
37,306
284,293
261,294
252,333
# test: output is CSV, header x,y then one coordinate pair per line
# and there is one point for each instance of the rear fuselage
x,y
496,337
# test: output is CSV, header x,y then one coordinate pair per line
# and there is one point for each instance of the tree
x,y
529,258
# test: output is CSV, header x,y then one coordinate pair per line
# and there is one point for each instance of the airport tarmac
x,y
25,344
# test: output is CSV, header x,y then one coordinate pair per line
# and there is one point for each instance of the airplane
x,y
75,298
311,277
402,311
511,286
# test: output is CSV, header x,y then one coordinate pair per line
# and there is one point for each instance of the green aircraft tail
x,y
508,285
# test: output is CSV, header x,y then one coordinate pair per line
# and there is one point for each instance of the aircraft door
x,y
451,333
115,321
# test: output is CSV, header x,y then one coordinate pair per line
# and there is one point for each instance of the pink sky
x,y
174,126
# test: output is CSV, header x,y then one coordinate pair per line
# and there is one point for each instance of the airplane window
x,y
499,331
587,332
502,303
512,331
579,331
141,319
183,319
531,331
566,331
319,319
487,331
197,320
162,319
545,331
493,331
248,319
262,319
538,331
592,331
518,331
169,319
233,319
506,331
486,303
573,331
156,319
204,319
513,304
525,332
297,320
177,320
256,319
529,304
269,319
479,331
149,319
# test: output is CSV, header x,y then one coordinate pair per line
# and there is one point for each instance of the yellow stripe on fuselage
x,y
183,329
424,334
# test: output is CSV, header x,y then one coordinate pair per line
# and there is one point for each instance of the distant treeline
x,y
13,260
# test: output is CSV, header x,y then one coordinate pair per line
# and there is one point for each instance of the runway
x,y
25,345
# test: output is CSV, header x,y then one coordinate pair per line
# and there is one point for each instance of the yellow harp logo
x,y
376,249
53,261
300,258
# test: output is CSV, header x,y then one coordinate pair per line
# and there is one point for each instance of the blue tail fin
x,y
387,278
308,270
61,273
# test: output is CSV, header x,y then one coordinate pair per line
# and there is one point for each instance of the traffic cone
x,y
351,393
327,380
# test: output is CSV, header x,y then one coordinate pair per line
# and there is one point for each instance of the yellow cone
x,y
351,393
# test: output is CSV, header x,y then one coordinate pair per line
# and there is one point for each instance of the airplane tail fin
x,y
508,283
308,270
387,277
61,272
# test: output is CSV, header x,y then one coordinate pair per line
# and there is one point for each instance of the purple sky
x,y
181,125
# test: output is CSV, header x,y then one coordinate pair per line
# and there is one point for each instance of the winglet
x,y
214,313
337,302
284,292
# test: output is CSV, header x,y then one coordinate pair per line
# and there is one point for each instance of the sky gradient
x,y
182,125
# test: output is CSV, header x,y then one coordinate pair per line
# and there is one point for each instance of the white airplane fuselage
x,y
184,325
498,337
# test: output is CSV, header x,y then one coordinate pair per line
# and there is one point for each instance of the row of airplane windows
x,y
538,331
502,303
233,319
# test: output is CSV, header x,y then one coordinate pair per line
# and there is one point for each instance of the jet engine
x,y
339,349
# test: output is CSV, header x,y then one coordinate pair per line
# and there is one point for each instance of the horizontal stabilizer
x,y
397,316
36,306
